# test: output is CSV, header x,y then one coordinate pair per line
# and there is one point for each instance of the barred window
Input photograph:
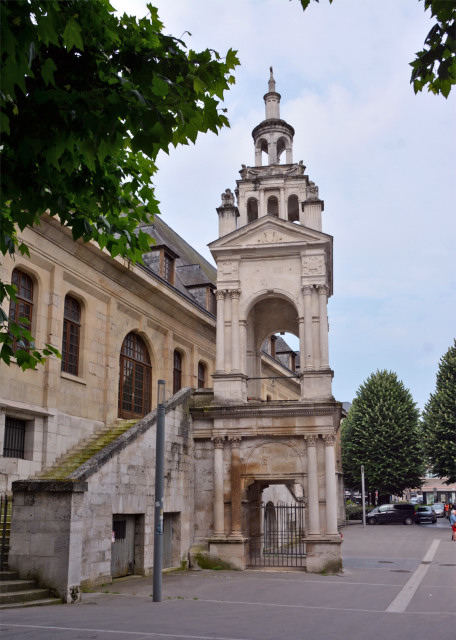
x,y
177,372
135,380
71,336
14,440
21,310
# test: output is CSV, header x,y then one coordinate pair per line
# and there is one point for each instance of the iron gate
x,y
276,535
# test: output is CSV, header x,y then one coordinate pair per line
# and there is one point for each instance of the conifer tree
x,y
439,419
381,432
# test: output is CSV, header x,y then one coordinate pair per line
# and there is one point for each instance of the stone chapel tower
x,y
274,267
274,274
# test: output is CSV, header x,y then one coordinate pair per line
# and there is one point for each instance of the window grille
x,y
201,376
14,441
177,372
21,309
135,380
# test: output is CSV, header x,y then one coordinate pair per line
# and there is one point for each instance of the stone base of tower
x,y
317,385
230,388
324,554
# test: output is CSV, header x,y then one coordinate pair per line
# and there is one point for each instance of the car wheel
x,y
408,521
372,521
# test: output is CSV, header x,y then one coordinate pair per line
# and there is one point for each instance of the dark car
x,y
439,509
389,513
425,514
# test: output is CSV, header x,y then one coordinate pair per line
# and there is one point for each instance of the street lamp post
x,y
159,477
363,501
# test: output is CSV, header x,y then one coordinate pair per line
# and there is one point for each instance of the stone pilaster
x,y
331,488
308,343
236,506
219,509
235,342
220,338
323,299
312,485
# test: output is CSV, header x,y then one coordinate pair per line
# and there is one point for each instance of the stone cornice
x,y
261,411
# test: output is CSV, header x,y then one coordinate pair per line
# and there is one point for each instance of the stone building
x,y
252,470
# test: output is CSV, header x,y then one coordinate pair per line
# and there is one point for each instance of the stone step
x,y
23,596
7,586
43,602
8,575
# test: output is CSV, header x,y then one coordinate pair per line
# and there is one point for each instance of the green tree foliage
x,y
381,432
435,66
439,420
88,101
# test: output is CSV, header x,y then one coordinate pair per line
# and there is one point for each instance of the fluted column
x,y
308,342
220,337
235,342
219,508
331,488
323,299
236,505
312,485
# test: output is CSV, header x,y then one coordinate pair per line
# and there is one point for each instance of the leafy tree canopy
x,y
439,420
435,66
381,432
88,101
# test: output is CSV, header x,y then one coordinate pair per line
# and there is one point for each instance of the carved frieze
x,y
270,237
313,266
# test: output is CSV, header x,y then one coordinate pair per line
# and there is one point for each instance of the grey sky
x,y
383,158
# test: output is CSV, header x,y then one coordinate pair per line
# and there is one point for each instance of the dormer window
x,y
167,262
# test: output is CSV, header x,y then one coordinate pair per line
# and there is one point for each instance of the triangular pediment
x,y
269,231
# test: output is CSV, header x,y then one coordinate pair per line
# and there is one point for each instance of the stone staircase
x,y
83,451
15,593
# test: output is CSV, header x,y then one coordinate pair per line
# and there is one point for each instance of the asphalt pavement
x,y
398,583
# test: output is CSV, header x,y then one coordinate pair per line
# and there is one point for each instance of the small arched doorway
x,y
135,379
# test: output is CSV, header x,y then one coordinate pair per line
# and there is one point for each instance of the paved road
x,y
398,583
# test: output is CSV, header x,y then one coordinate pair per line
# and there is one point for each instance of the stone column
x,y
242,345
312,485
220,337
323,298
331,489
219,506
235,359
308,346
236,505
227,331
262,209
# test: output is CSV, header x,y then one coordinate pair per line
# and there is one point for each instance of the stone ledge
x,y
52,486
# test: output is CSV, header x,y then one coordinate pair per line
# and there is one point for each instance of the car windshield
x,y
424,509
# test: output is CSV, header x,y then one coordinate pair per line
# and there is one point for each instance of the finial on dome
x,y
271,80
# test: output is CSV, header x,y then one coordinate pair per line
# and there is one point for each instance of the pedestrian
x,y
447,510
453,524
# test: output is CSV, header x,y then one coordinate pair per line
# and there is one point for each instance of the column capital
x,y
235,442
307,289
218,442
323,289
234,293
311,440
220,294
330,439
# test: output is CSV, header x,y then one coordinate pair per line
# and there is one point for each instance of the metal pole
x,y
159,477
363,502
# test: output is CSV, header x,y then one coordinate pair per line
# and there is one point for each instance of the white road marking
x,y
405,595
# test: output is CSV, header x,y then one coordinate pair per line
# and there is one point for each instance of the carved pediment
x,y
269,231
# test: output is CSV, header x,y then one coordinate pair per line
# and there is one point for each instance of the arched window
x,y
135,378
201,375
273,206
281,146
71,335
23,306
177,371
252,209
293,209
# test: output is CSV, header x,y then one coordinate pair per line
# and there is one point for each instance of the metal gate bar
x,y
277,535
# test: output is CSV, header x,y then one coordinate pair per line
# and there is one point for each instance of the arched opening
x,y
293,208
252,209
269,316
21,309
261,152
135,379
273,206
71,335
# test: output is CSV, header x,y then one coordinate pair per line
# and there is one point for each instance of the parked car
x,y
439,509
425,514
389,513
